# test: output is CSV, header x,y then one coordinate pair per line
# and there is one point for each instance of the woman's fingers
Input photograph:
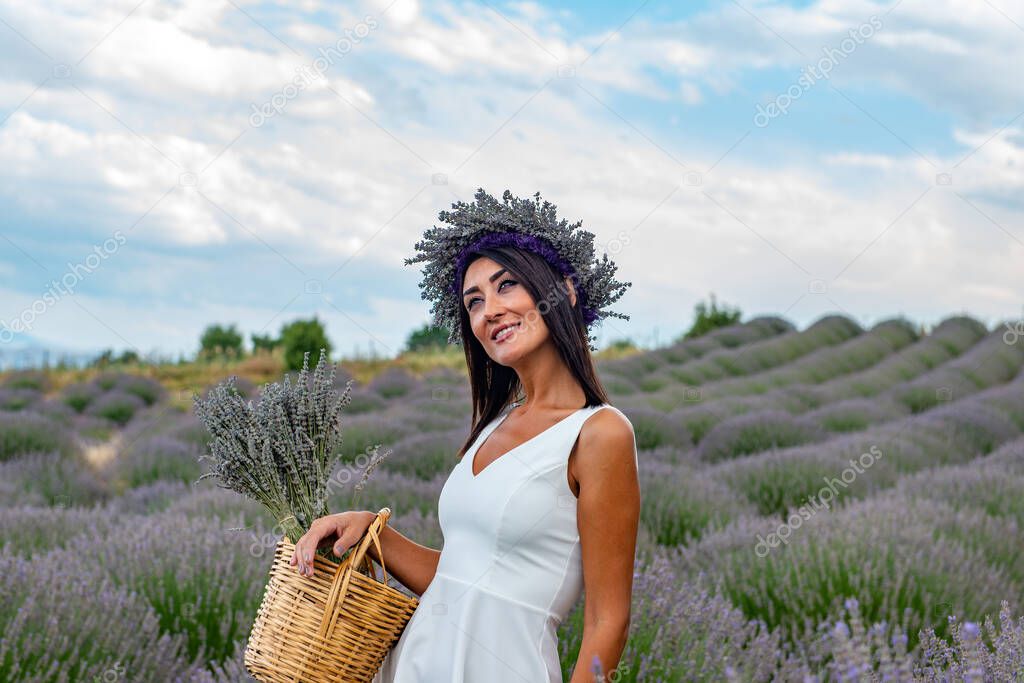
x,y
320,534
305,547
304,558
346,540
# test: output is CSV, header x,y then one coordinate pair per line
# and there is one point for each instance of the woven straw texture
x,y
333,627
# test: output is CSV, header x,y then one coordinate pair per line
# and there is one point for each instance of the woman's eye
x,y
469,304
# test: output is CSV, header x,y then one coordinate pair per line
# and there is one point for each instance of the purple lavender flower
x,y
28,432
79,396
66,620
147,460
393,383
281,451
117,406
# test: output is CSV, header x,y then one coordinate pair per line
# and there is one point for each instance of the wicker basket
x,y
333,627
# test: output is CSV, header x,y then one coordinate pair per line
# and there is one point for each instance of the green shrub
x,y
31,433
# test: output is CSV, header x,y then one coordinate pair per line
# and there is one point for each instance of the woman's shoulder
x,y
600,408
608,421
608,434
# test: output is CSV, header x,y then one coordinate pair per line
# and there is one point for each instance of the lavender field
x,y
826,504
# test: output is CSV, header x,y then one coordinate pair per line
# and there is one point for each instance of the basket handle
x,y
373,533
340,588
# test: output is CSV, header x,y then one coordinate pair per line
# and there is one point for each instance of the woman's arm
x,y
414,565
608,513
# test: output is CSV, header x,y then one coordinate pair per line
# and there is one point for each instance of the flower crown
x,y
528,225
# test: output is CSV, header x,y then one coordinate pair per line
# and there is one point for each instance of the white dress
x,y
509,572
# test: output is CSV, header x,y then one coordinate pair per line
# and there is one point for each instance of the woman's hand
x,y
342,529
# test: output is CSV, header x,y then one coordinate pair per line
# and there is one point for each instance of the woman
x,y
544,502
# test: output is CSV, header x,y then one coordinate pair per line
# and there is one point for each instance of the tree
x,y
128,356
427,337
218,340
107,357
301,336
264,342
706,319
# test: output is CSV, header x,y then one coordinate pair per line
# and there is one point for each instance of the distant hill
x,y
26,351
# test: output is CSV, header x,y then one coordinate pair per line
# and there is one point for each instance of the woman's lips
x,y
506,335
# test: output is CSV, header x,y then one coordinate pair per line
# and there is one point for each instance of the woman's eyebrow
x,y
492,278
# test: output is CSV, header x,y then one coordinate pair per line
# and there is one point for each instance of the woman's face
x,y
494,298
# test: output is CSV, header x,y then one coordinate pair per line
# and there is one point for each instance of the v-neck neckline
x,y
499,420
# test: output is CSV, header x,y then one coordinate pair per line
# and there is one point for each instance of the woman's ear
x,y
572,290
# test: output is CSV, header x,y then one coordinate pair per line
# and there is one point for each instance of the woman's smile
x,y
506,332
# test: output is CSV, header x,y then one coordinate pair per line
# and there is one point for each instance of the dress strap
x,y
587,413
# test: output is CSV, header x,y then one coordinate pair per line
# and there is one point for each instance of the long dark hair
x,y
494,386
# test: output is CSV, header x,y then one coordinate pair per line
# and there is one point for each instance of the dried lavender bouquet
x,y
282,451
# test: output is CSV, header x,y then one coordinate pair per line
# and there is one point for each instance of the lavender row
x,y
31,432
685,629
50,478
910,562
669,388
988,363
61,620
625,376
795,412
819,364
857,464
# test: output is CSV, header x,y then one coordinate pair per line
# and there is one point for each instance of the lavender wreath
x,y
528,224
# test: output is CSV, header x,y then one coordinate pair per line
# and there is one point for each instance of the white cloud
x,y
879,161
691,93
531,11
923,40
401,12
321,183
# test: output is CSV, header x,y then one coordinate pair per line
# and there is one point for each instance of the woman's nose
x,y
492,307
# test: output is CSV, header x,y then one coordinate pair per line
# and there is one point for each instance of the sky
x,y
168,165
